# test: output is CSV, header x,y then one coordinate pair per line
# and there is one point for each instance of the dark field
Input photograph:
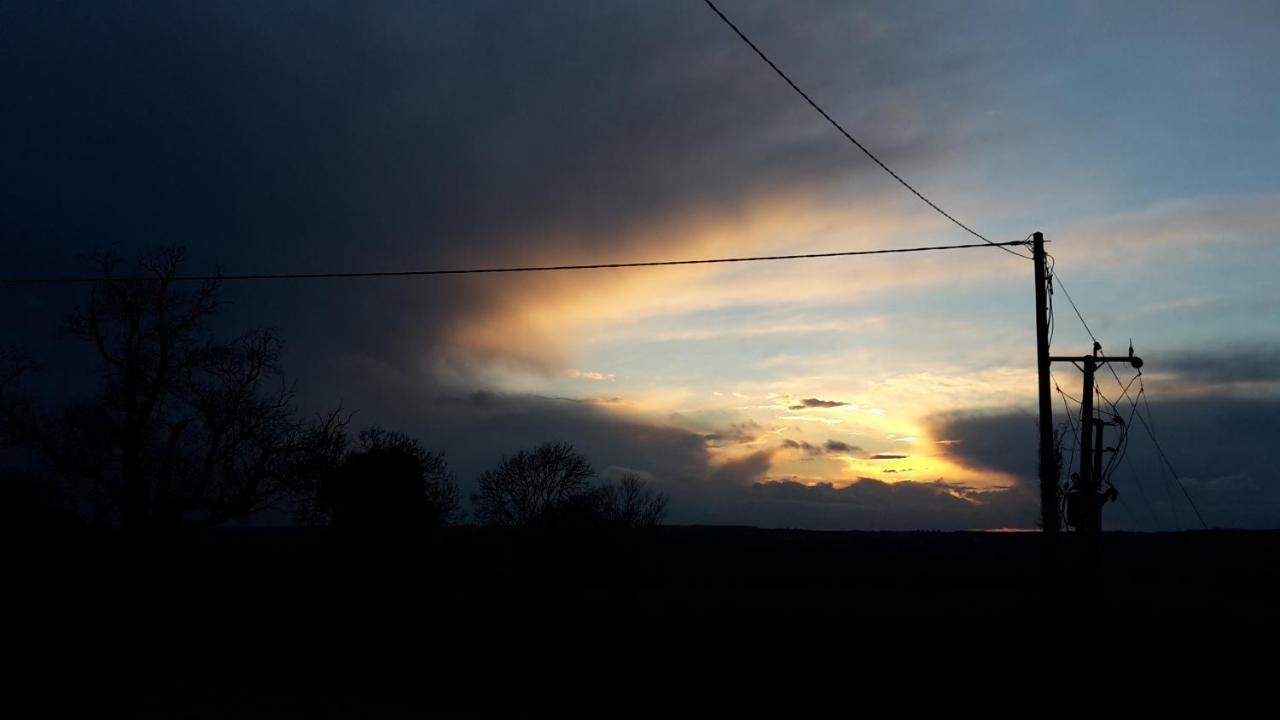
x,y
286,623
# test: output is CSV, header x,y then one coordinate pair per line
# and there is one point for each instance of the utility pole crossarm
x,y
1133,360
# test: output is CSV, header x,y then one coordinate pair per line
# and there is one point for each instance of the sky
x,y
893,392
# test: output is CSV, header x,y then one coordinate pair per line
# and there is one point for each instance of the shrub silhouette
x,y
387,483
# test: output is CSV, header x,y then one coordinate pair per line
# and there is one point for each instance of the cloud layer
x,y
398,135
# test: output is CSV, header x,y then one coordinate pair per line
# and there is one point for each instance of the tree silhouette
x,y
184,432
549,486
633,504
526,487
387,482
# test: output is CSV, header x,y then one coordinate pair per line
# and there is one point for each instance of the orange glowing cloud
x,y
534,322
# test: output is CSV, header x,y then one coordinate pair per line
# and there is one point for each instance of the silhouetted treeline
x,y
141,586
187,432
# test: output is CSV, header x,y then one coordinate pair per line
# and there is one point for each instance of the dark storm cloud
x,y
1223,448
989,440
816,403
367,136
1240,364
338,136
324,136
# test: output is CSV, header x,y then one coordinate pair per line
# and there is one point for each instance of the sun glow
x,y
783,348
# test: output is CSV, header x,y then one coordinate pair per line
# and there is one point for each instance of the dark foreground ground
x,y
288,623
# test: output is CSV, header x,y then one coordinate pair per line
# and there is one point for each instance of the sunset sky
x,y
893,392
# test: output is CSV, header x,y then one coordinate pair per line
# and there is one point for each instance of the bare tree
x,y
184,431
631,503
550,485
525,487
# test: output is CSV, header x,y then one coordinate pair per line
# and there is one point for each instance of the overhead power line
x,y
1173,471
851,138
480,271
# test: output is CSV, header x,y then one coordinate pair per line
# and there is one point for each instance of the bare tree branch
x,y
184,431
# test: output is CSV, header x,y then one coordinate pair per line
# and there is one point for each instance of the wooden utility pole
x,y
1084,503
1085,519
1049,521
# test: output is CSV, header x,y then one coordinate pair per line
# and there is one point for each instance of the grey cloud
x,y
1003,441
830,447
816,403
747,469
875,505
887,456
736,434
476,430
1239,364
808,449
836,446
1223,448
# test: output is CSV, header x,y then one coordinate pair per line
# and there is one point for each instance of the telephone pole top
x,y
1085,501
